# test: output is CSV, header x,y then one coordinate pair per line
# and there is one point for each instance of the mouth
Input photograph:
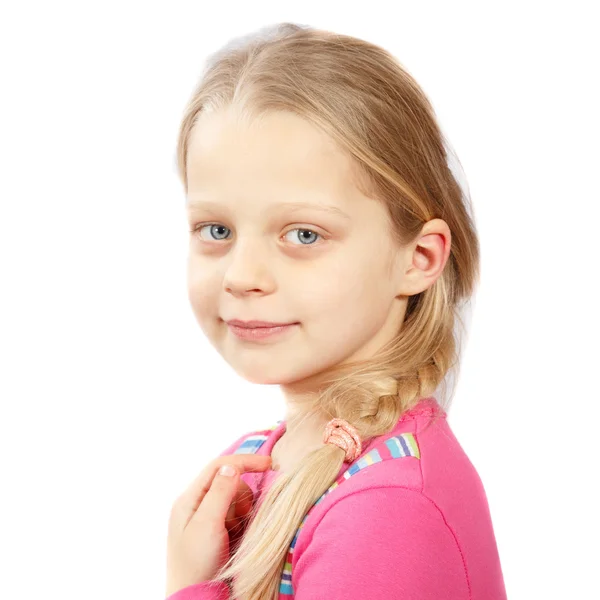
x,y
260,333
256,324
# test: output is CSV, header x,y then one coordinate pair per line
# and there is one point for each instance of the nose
x,y
247,271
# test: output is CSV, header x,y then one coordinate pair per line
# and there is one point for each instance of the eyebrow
x,y
291,206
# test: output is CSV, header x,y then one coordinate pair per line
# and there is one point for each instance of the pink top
x,y
415,528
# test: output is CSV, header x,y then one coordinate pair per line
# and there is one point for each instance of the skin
x,y
347,283
206,519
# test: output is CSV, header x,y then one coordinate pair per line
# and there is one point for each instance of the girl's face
x,y
280,234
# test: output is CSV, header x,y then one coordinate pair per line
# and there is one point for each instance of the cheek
x,y
201,291
349,306
345,290
327,292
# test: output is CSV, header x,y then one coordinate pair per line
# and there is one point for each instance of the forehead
x,y
279,151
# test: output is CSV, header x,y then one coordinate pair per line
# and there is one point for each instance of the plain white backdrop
x,y
111,399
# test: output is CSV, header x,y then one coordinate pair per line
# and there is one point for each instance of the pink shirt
x,y
415,528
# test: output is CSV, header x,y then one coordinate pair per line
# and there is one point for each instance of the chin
x,y
261,379
272,375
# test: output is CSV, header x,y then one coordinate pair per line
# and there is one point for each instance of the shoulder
x,y
423,519
390,538
391,508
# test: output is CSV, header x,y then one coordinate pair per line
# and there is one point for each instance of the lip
x,y
255,324
254,334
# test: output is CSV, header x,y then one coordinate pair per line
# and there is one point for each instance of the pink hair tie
x,y
343,435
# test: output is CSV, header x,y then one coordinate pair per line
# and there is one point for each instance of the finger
x,y
218,499
193,496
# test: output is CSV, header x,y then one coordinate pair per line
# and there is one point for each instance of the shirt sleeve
x,y
381,543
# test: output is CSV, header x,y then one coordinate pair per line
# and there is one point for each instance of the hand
x,y
202,518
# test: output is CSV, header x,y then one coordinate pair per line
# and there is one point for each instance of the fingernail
x,y
227,470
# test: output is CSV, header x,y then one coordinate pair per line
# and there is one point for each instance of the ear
x,y
427,257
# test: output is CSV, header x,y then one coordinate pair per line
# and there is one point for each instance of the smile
x,y
260,333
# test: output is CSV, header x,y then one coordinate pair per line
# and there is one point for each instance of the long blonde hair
x,y
361,96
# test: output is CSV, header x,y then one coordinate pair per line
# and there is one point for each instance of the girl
x,y
330,252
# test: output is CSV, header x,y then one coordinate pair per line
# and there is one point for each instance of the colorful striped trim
x,y
253,442
399,446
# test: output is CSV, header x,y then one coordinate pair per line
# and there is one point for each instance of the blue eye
x,y
213,226
217,230
302,237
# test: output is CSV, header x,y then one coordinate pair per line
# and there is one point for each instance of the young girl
x,y
330,252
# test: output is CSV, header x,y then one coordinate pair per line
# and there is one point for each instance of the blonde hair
x,y
361,96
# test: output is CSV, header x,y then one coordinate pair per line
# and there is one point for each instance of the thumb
x,y
221,494
228,471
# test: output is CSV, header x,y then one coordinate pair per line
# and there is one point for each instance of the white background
x,y
112,400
